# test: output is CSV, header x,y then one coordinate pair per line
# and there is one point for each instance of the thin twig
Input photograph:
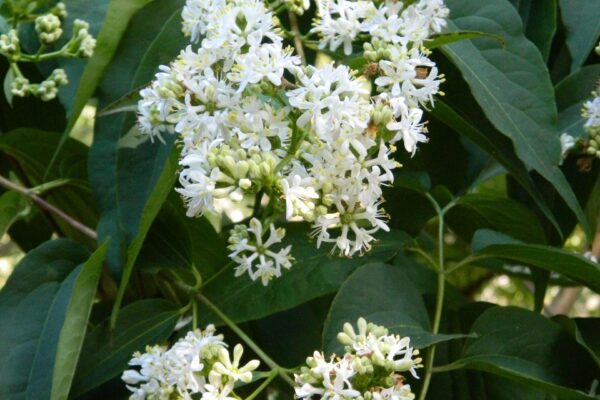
x,y
48,207
297,36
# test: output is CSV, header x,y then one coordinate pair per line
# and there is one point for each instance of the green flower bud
x,y
10,45
20,87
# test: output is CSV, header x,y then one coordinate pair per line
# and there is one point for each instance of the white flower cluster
x,y
369,370
314,141
198,363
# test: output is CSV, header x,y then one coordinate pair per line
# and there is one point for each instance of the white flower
x,y
299,199
401,392
591,111
409,129
254,255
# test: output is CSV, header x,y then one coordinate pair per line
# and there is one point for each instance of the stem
x,y
439,304
194,314
238,331
263,385
49,207
297,36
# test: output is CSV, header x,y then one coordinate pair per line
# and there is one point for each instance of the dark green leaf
x,y
524,346
585,332
582,22
478,211
33,307
106,352
33,149
398,306
567,263
12,206
513,87
539,22
125,178
571,93
314,274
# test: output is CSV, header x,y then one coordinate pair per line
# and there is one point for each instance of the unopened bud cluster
x,y
199,363
48,27
370,368
305,143
591,112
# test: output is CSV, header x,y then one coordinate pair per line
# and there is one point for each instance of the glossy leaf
x,y
476,211
524,346
398,306
315,273
34,306
567,263
106,352
539,22
442,39
582,22
513,87
125,179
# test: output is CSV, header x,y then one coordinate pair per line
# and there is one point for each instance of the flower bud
x,y
20,87
48,28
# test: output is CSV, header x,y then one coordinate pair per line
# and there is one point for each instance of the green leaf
x,y
398,306
441,39
513,87
585,332
72,333
570,264
524,346
32,149
571,93
582,22
480,211
33,308
7,86
496,145
12,207
124,179
106,352
539,22
315,273
113,27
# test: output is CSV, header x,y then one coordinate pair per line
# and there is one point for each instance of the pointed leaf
x,y
582,22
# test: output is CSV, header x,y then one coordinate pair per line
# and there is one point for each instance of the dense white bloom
x,y
194,364
313,141
372,360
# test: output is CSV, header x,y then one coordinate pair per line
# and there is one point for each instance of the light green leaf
x,y
567,263
315,273
106,352
571,93
33,309
539,22
524,346
73,331
397,305
8,81
513,87
582,22
12,207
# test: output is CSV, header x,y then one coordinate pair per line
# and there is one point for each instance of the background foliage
x,y
487,197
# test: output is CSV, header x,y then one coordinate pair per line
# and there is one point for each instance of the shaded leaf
x,y
106,352
513,87
315,273
12,206
539,22
582,22
571,93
